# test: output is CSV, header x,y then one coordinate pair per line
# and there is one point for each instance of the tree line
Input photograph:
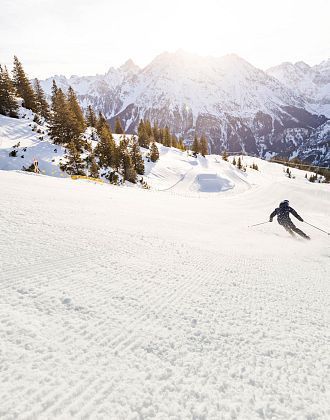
x,y
67,124
299,164
149,133
67,127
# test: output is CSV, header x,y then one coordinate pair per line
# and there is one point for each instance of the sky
x,y
86,37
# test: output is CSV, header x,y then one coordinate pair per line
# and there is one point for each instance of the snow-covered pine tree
x,y
225,157
42,107
154,152
23,86
76,109
204,147
118,127
8,103
74,164
137,159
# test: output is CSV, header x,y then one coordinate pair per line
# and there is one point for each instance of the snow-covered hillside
x,y
176,171
32,143
125,303
236,105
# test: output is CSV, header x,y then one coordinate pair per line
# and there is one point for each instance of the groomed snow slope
x,y
122,303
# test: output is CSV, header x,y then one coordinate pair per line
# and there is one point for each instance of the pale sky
x,y
86,37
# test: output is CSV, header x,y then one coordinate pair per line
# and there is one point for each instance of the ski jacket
x,y
283,214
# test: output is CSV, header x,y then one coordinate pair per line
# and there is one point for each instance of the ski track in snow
x,y
129,304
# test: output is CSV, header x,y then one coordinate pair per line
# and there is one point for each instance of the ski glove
x,y
270,220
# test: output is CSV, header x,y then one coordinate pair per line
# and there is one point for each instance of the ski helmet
x,y
285,202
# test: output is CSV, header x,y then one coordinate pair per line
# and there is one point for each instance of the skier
x,y
283,217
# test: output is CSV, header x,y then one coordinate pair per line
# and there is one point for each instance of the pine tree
x,y
118,127
313,178
148,128
74,164
181,145
254,166
23,86
225,157
124,142
42,107
76,109
91,117
155,132
234,161
137,159
167,139
143,138
93,167
8,104
161,135
204,147
174,141
129,172
239,163
154,152
102,122
63,125
195,147
106,150
117,154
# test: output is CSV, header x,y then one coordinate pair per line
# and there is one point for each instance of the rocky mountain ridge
x,y
236,105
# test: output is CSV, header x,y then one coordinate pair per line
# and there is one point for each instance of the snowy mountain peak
x,y
236,105
130,66
312,83
302,66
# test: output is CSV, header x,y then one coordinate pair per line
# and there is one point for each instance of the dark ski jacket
x,y
283,214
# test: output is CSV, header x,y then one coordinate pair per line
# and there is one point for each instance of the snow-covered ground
x,y
123,303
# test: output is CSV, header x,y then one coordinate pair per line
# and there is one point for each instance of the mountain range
x,y
281,111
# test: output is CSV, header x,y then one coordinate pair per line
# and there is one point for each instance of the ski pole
x,y
258,224
318,228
